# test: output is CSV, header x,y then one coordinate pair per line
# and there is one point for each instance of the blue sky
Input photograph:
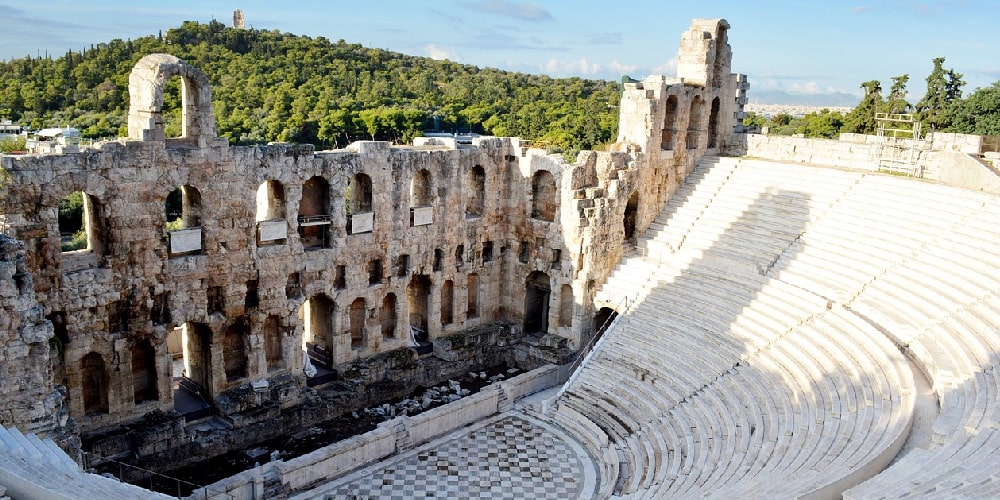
x,y
807,46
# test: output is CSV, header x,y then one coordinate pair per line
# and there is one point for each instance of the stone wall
x,y
230,260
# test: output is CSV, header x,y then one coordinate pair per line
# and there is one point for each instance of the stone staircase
x,y
32,468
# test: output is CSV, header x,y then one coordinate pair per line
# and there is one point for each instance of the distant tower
x,y
238,19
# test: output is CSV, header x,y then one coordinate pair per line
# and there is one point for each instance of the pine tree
x,y
897,95
861,119
943,89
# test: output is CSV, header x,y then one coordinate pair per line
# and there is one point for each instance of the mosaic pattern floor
x,y
511,457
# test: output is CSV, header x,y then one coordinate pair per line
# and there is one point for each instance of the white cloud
x,y
668,68
623,69
438,53
581,66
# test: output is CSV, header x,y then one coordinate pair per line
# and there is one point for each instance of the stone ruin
x,y
286,270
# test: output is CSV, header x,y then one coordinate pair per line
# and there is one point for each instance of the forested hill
x,y
271,86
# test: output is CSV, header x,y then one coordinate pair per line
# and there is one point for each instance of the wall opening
x,y
524,253
402,265
358,203
317,315
215,299
476,190
183,208
447,303
314,214
144,372
340,280
487,251
252,298
713,124
566,305
536,303
472,309
387,316
272,343
629,217
234,352
375,271
438,260
293,286
196,360
357,315
94,384
271,225
694,122
417,301
80,226
603,319
459,256
720,66
543,196
421,194
669,124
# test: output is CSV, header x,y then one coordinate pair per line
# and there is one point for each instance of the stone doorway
x,y
536,303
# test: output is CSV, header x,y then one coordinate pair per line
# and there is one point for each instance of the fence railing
x,y
92,460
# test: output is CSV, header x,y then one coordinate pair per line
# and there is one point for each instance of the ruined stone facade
x,y
352,252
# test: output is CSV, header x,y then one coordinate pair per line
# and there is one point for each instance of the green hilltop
x,y
272,86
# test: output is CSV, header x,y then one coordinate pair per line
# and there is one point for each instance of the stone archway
x,y
145,88
629,218
537,290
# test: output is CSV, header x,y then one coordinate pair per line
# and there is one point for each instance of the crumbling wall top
x,y
145,88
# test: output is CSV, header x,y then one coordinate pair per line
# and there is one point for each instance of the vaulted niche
x,y
314,214
387,316
543,196
144,372
234,352
271,225
447,303
695,122
94,384
360,218
629,217
713,124
418,302
536,303
183,216
273,349
669,124
566,306
356,316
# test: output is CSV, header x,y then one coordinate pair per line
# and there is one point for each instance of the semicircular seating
x,y
762,351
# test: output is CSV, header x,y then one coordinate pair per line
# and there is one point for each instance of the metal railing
x,y
181,485
592,345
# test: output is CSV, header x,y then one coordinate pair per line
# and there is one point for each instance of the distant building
x,y
238,21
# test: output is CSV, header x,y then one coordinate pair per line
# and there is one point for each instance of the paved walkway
x,y
511,456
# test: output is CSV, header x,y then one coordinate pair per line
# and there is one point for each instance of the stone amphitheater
x,y
699,312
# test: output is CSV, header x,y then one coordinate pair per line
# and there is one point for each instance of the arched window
x,y
417,301
475,189
272,343
543,196
271,225
537,290
94,383
669,124
234,352
153,93
144,372
196,351
566,305
713,124
447,299
360,218
472,310
314,213
387,316
80,225
421,194
357,315
317,315
603,319
183,211
694,122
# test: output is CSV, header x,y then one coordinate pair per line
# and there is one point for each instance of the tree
x,y
979,113
943,89
896,102
861,119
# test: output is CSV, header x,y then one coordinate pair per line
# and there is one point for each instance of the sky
x,y
795,46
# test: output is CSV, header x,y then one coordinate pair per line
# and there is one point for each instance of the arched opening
x,y
314,213
272,343
183,216
720,67
94,384
357,314
144,372
152,92
317,315
358,203
669,124
387,316
603,319
234,353
543,196
191,369
472,310
713,124
475,188
417,302
629,217
566,305
447,302
694,122
80,224
271,225
421,194
536,303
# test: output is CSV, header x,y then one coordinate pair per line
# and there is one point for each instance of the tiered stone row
x,y
34,468
751,361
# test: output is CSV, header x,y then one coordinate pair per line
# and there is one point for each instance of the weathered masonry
x,y
213,269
